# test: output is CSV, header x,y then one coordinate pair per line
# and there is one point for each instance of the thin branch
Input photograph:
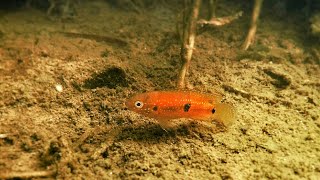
x,y
253,27
189,27
221,21
212,4
27,175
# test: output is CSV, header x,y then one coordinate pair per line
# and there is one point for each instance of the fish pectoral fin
x,y
224,114
165,123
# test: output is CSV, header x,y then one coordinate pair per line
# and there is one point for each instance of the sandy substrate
x,y
62,109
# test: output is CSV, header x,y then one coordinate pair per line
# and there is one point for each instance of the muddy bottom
x,y
64,82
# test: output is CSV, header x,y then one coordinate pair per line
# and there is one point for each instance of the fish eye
x,y
138,104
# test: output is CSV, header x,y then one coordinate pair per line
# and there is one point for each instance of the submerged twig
x,y
98,38
253,27
212,4
189,27
221,21
27,175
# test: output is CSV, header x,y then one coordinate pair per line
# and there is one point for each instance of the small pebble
x,y
59,87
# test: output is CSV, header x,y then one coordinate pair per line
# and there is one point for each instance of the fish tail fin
x,y
224,114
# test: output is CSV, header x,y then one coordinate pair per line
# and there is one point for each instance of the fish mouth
x,y
128,104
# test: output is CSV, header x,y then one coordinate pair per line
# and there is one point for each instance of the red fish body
x,y
166,105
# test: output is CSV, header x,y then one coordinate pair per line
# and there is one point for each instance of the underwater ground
x,y
64,82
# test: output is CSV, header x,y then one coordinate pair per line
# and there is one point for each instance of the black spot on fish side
x,y
213,111
186,107
155,108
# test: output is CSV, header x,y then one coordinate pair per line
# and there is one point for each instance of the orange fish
x,y
167,105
